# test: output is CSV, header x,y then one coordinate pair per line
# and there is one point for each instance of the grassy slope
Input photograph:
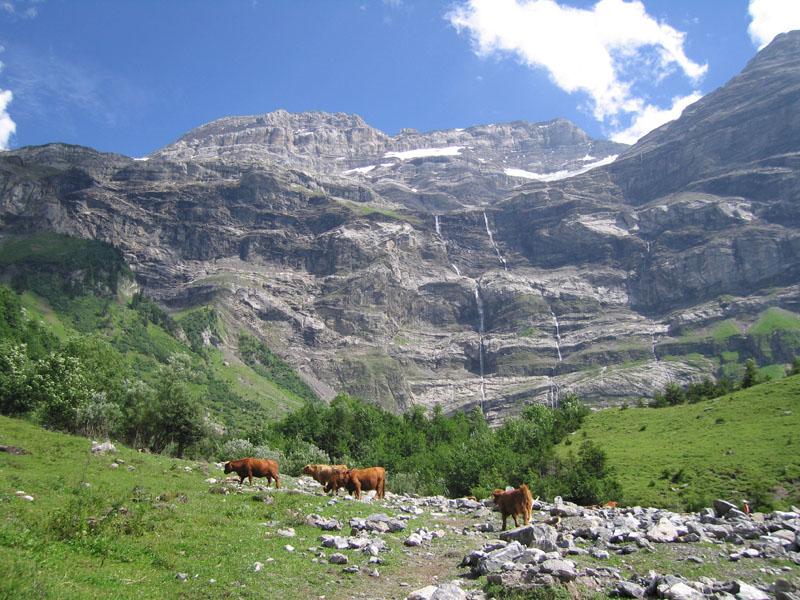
x,y
242,380
136,552
732,447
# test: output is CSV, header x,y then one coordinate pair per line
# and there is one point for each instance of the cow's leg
x,y
514,516
250,474
277,482
381,487
241,478
357,492
505,518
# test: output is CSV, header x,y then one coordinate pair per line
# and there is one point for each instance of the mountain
x,y
494,265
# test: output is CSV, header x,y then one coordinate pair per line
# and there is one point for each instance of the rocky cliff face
x,y
494,265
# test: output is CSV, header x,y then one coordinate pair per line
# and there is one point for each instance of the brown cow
x,y
513,503
355,480
254,467
323,474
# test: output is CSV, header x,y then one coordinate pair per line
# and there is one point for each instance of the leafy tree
x,y
16,372
750,377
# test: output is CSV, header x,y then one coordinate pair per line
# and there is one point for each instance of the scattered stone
x,y
13,450
681,591
628,589
211,481
114,465
289,548
257,566
563,570
287,533
415,539
181,576
337,559
325,524
351,569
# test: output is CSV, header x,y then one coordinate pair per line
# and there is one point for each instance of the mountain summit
x,y
490,266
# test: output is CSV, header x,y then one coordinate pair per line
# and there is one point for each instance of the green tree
x,y
750,377
16,373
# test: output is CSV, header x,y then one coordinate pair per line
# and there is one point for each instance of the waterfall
x,y
491,240
438,228
653,346
455,268
481,325
558,335
553,393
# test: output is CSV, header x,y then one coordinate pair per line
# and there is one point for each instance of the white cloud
x,y
23,9
771,17
604,51
650,117
7,125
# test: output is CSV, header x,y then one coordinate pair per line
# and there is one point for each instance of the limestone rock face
x,y
483,266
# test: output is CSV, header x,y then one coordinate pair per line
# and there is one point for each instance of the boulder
x,y
663,532
493,561
543,537
721,507
563,570
750,592
103,448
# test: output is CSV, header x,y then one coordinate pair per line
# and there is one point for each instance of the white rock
x,y
98,448
257,566
288,548
749,592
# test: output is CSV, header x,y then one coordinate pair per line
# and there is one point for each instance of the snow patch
x,y
142,158
360,170
423,152
557,175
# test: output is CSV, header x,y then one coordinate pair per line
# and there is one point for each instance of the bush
x,y
299,454
236,449
98,417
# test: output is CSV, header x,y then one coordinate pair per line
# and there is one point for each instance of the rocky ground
x,y
455,547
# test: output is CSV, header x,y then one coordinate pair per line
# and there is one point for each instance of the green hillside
x,y
92,531
68,307
745,445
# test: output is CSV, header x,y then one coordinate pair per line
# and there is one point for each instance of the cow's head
x,y
228,467
310,470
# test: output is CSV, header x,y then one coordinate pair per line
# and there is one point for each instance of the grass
x,y
744,445
365,209
248,384
130,532
775,319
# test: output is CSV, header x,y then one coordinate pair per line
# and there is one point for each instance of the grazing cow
x,y
611,504
356,480
254,467
323,474
513,503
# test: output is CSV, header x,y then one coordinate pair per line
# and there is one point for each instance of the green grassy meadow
x,y
96,532
745,445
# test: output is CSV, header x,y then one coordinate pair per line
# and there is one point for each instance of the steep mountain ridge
x,y
464,267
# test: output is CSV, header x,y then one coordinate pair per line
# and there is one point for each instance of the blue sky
x,y
130,76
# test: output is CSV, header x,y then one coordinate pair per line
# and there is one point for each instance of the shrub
x,y
236,449
299,454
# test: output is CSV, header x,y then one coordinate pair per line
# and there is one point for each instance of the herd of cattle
x,y
510,503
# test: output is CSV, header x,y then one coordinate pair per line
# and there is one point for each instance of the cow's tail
x,y
527,493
